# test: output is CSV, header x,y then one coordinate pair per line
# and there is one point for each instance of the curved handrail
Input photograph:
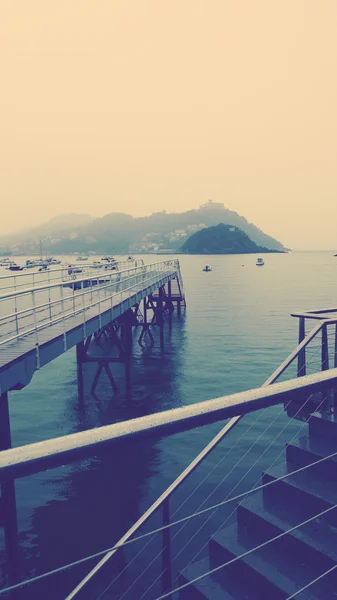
x,y
203,454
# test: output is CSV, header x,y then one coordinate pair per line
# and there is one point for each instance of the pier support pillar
x,y
8,514
170,305
127,338
146,325
161,318
80,354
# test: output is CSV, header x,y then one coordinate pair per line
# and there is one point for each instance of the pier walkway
x,y
40,322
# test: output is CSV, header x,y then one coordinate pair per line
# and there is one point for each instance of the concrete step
x,y
204,589
274,576
306,450
323,425
302,407
307,491
314,544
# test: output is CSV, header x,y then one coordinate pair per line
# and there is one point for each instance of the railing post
x,y
335,365
169,287
83,308
63,321
160,315
301,362
16,315
325,348
36,332
8,511
166,555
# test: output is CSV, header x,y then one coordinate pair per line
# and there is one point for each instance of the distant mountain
x,y
221,239
122,233
62,223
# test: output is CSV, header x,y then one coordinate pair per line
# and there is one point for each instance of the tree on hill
x,y
221,239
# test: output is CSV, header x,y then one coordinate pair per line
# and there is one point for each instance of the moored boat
x,y
260,262
40,262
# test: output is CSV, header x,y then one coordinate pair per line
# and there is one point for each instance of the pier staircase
x,y
258,568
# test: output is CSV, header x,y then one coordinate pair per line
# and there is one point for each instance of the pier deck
x,y
40,323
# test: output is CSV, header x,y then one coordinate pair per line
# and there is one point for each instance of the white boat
x,y
53,261
260,262
14,267
30,264
207,268
6,262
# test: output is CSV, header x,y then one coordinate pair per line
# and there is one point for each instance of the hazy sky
x,y
141,105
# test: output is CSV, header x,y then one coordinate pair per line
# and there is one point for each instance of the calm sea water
x,y
235,332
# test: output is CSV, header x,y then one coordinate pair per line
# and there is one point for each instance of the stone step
x,y
323,425
307,450
275,576
204,589
315,544
307,491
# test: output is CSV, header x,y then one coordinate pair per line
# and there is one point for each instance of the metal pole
x,y
8,500
79,359
335,365
63,321
169,287
301,361
36,332
83,308
325,348
127,331
161,318
166,556
16,315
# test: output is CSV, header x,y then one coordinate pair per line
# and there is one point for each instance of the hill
x,y
122,233
222,239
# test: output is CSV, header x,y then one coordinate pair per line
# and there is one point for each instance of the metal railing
x,y
16,462
304,383
31,310
324,329
65,272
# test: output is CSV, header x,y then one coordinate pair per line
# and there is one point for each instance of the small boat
x,y
82,258
53,261
207,268
31,264
6,262
108,259
15,268
260,262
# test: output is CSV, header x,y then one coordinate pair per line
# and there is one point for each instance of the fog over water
x,y
144,106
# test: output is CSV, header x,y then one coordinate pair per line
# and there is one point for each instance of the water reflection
x,y
87,506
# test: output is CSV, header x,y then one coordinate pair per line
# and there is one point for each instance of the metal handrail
x,y
78,295
18,461
15,462
297,384
87,278
68,314
65,267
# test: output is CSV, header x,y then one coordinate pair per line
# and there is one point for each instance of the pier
x,y
40,322
44,314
